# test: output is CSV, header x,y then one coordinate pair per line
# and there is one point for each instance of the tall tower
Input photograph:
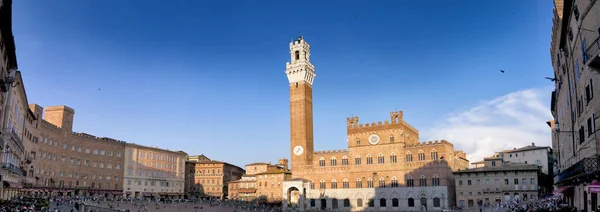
x,y
300,73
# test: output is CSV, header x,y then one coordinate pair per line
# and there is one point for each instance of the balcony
x,y
13,168
584,170
592,55
16,138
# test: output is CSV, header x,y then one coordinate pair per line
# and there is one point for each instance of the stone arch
x,y
322,158
344,157
333,180
358,195
369,155
332,158
381,195
394,195
408,153
409,194
357,156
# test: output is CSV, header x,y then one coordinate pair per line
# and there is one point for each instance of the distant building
x,y
540,156
493,184
150,172
262,183
207,178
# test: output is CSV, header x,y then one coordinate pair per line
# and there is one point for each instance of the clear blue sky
x,y
208,76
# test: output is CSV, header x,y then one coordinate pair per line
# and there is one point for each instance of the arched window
x,y
333,161
395,202
421,156
382,202
393,158
333,184
394,182
297,55
346,203
434,155
391,138
411,202
408,157
346,183
344,161
322,162
370,183
369,159
371,203
359,202
435,181
358,183
313,203
357,160
358,142
312,184
380,159
436,202
322,184
410,182
423,181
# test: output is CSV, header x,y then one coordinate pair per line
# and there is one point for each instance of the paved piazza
x,y
181,207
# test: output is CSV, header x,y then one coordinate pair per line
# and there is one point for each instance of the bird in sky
x,y
502,71
551,79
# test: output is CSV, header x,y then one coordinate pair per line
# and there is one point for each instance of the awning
x,y
146,194
128,192
594,187
562,189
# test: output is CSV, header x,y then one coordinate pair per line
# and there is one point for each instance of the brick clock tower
x,y
300,73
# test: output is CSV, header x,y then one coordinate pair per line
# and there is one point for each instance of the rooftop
x,y
504,167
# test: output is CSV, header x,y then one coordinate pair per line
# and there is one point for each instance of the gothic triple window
x,y
394,182
409,182
393,158
333,161
357,160
423,181
344,161
369,159
408,157
322,162
380,159
434,155
421,156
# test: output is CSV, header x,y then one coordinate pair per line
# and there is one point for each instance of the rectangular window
x,y
516,181
468,182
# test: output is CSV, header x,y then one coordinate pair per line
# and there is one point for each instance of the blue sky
x,y
208,76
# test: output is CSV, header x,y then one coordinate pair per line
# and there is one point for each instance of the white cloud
x,y
513,120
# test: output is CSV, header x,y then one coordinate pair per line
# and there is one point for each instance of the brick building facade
x,y
384,167
262,183
207,178
153,173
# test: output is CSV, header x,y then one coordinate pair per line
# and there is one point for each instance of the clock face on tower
x,y
374,139
298,150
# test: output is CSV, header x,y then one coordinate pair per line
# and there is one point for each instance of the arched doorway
x,y
293,195
423,203
323,204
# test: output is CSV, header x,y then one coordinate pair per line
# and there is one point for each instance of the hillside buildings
x,y
575,53
384,167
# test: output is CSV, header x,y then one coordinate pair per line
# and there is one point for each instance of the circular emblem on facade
x,y
298,150
374,139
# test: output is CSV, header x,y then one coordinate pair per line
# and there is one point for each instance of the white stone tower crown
x,y
300,69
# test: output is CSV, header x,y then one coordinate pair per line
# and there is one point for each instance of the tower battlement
x,y
395,119
430,143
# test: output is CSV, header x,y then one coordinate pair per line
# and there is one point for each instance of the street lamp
x,y
9,81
